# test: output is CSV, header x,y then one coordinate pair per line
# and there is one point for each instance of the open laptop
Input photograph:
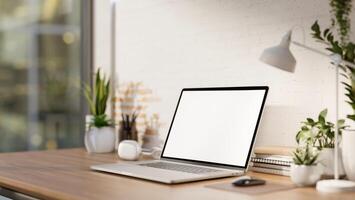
x,y
211,135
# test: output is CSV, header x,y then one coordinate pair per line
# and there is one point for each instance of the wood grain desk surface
x,y
65,174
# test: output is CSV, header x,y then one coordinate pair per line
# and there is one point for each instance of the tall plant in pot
x,y
319,133
100,137
341,10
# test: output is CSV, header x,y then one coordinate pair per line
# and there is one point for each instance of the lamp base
x,y
334,185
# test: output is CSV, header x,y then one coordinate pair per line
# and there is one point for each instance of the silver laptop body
x,y
210,150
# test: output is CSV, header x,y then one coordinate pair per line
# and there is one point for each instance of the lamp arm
x,y
352,65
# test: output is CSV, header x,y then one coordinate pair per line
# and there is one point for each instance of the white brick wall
x,y
171,44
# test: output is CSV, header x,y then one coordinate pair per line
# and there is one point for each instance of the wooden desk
x,y
65,174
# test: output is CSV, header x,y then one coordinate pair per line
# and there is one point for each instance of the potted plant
x,y
341,11
320,134
304,170
100,137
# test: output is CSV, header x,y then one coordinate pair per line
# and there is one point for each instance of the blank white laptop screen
x,y
215,126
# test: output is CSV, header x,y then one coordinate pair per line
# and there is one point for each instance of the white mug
x,y
129,150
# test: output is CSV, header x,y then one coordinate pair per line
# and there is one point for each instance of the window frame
x,y
86,33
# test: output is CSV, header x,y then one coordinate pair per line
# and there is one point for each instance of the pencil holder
x,y
127,132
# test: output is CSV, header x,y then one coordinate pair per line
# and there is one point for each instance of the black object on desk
x,y
245,182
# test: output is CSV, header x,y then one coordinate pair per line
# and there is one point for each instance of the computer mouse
x,y
243,182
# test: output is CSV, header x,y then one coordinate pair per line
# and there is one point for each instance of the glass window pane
x,y
40,74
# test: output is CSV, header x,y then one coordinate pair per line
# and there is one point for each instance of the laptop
x,y
211,135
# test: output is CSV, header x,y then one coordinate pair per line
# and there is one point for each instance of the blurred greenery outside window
x,y
40,74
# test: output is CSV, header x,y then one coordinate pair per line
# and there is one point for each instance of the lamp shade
x,y
280,56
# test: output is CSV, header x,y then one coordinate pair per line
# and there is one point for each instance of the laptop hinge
x,y
204,164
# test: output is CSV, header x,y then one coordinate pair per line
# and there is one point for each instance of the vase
x,y
326,158
100,140
150,141
305,175
348,146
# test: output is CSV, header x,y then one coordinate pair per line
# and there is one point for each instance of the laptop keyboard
x,y
180,168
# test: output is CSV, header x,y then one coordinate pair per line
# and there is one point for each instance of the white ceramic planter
x,y
348,146
303,175
100,140
326,158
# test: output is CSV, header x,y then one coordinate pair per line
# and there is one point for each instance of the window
x,y
42,59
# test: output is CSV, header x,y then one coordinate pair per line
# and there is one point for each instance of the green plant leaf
x,y
312,160
325,32
100,121
316,31
341,122
310,121
298,159
324,113
298,137
304,128
97,97
352,117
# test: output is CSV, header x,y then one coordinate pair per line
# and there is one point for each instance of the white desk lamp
x,y
281,57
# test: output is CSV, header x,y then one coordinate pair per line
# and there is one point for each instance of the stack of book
x,y
272,160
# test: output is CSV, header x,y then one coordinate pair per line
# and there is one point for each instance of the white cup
x,y
129,150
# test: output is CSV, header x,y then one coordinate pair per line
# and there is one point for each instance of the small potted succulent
x,y
319,133
305,170
100,136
